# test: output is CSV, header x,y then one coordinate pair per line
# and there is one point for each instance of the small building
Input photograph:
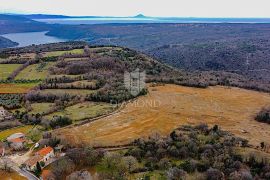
x,y
5,115
47,153
2,149
31,163
17,141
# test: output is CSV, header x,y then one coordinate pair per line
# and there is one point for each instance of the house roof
x,y
15,135
33,160
45,151
17,140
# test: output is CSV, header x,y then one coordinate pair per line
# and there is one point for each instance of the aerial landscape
x,y
134,93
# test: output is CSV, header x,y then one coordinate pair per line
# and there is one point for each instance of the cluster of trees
x,y
38,96
11,101
60,121
75,159
208,151
263,116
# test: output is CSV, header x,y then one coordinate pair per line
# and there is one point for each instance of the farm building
x,y
17,141
31,163
47,153
5,115
44,155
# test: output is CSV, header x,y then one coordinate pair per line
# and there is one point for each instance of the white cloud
x,y
183,8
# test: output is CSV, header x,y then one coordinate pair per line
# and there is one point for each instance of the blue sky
x,y
161,8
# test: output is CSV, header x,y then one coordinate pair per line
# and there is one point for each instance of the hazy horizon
x,y
151,8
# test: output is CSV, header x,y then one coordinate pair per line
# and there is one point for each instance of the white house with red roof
x,y
47,153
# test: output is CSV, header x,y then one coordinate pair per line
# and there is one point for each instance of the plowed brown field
x,y
167,107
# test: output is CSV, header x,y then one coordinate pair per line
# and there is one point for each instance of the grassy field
x,y
34,71
11,176
75,59
83,111
82,92
167,107
23,129
16,88
40,107
7,69
59,53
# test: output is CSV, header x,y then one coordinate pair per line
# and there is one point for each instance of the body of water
x,y
29,38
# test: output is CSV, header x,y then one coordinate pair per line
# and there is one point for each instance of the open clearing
x,y
33,72
83,111
41,107
167,107
7,69
60,53
59,92
18,88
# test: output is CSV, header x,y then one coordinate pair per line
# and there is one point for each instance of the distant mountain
x,y
44,16
4,43
140,16
17,24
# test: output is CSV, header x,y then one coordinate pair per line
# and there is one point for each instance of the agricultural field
x,y
40,107
75,59
35,71
7,69
16,88
82,111
23,129
59,92
167,107
60,53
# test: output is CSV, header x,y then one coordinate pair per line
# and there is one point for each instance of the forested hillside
x,y
4,42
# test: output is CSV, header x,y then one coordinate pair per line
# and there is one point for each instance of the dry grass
x,y
16,88
11,176
231,108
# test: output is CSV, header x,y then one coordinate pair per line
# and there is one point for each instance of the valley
x,y
74,104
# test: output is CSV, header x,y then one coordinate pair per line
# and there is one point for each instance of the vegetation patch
x,y
81,111
41,107
60,53
16,88
7,69
35,71
11,101
263,116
